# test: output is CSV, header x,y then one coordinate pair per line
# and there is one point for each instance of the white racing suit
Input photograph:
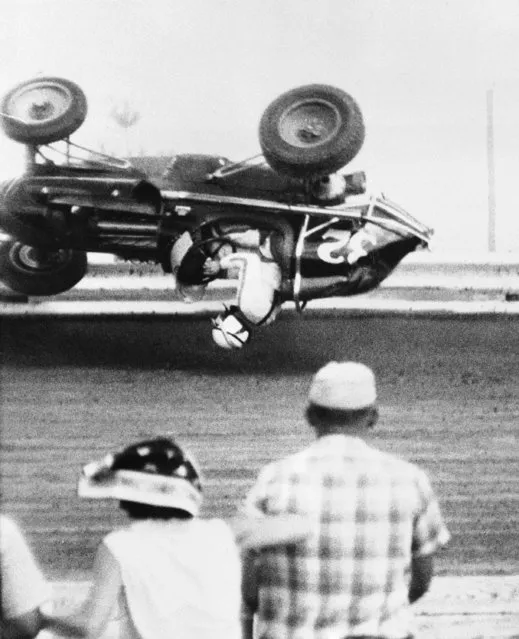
x,y
258,284
259,275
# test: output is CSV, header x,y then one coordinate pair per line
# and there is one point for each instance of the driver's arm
x,y
245,239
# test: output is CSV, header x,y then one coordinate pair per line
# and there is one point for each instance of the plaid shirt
x,y
372,512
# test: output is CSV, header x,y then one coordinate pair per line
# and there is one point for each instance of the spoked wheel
x,y
35,271
43,110
312,130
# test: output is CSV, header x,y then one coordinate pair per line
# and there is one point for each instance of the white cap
x,y
343,386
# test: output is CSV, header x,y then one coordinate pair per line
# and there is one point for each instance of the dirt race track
x,y
74,390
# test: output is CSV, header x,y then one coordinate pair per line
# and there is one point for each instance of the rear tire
x,y
312,130
43,110
35,271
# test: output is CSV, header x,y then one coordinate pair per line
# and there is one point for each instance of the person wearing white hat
x,y
169,573
376,526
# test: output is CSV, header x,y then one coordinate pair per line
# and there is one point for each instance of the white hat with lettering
x,y
343,386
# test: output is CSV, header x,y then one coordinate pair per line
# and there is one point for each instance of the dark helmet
x,y
157,472
161,456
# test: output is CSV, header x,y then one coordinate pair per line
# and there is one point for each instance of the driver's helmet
x,y
230,331
156,472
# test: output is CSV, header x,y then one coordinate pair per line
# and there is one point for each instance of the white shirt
x,y
181,579
23,585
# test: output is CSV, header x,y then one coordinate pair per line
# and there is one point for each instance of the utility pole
x,y
491,173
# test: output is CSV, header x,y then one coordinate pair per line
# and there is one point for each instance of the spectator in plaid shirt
x,y
375,518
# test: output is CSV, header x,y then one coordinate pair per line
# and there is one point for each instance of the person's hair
x,y
136,510
326,418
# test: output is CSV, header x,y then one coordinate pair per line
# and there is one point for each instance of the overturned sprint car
x,y
289,222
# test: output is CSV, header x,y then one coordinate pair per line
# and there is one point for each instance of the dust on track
x,y
73,390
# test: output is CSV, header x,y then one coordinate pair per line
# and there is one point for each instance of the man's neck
x,y
352,431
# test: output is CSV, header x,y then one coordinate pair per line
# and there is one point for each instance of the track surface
x,y
74,390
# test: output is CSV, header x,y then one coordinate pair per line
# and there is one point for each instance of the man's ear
x,y
373,417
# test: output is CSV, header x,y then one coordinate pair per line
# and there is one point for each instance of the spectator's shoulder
x,y
280,467
212,526
10,533
117,535
7,525
402,467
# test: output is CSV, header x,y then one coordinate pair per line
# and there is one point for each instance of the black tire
x,y
33,271
311,130
43,110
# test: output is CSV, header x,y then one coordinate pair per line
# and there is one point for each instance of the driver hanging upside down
x,y
249,251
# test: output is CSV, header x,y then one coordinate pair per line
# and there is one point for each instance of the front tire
x,y
35,271
310,131
43,110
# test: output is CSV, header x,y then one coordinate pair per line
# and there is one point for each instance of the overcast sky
x,y
201,72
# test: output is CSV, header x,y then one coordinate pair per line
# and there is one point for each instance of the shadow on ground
x,y
292,344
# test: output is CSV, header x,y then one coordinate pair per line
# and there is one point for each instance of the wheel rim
x,y
39,102
31,259
309,123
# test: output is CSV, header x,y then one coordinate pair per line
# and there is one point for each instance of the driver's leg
x,y
259,281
